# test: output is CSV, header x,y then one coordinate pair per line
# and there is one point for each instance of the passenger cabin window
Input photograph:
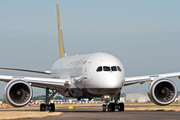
x,y
99,69
119,69
106,68
113,68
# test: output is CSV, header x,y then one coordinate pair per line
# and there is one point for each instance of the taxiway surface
x,y
96,114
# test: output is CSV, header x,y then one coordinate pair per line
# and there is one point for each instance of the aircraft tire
x,y
111,107
121,107
52,107
42,107
103,108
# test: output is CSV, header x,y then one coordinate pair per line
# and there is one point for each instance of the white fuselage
x,y
91,75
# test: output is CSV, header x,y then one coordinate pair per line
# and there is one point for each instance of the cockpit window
x,y
113,68
106,68
119,69
99,69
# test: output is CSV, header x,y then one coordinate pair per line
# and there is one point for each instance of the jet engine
x,y
162,91
18,93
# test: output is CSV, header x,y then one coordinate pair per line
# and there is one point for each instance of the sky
x,y
142,34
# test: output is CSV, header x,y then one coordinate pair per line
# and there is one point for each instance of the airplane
x,y
86,76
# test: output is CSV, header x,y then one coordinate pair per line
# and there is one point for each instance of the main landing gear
x,y
111,106
46,106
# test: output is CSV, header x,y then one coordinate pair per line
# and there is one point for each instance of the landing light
x,y
106,96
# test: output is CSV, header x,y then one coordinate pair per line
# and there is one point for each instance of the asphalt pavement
x,y
96,114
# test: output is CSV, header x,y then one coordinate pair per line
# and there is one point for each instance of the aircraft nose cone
x,y
112,81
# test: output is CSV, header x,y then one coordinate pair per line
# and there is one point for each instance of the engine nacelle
x,y
18,93
162,91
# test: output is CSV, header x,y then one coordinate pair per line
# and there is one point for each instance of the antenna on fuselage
x,y
61,47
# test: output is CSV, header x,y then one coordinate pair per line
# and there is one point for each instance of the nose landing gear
x,y
110,105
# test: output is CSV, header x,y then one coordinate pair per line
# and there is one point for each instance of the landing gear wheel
x,y
104,108
121,107
52,107
111,107
42,107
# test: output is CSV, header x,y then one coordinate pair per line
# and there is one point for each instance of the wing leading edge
x,y
25,70
40,82
143,79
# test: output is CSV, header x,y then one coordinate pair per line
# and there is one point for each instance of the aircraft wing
x,y
25,70
143,79
40,82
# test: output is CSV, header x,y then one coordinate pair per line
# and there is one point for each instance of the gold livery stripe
x,y
78,62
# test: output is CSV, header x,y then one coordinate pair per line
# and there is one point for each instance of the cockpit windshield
x,y
107,68
119,69
113,68
99,69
